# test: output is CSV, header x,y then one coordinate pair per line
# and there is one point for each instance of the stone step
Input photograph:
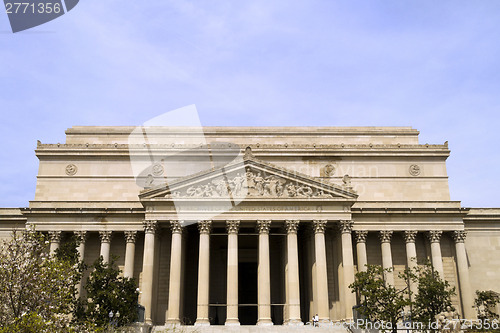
x,y
331,327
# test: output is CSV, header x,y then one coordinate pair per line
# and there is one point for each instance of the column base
x,y
202,322
265,322
294,322
232,322
172,322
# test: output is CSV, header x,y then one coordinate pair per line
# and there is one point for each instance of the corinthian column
x,y
292,273
463,274
55,240
130,237
264,274
232,272
385,240
321,272
150,228
348,264
361,249
105,237
80,236
203,273
437,259
411,256
174,289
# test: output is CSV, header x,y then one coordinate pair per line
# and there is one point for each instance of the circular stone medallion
x,y
157,170
71,169
414,170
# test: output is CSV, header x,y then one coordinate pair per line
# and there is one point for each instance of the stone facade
x,y
259,225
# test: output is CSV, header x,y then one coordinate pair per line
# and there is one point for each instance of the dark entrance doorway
x,y
247,292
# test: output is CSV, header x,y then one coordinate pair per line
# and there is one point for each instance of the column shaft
x,y
80,236
130,237
411,257
385,239
148,269
437,259
105,245
293,288
321,297
361,250
348,265
264,274
174,290
203,273
463,275
232,272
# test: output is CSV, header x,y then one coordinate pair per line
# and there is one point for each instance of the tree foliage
x,y
380,302
35,289
107,292
485,304
434,294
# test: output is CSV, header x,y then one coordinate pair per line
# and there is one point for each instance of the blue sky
x,y
432,65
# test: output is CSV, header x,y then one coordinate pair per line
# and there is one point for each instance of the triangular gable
x,y
248,178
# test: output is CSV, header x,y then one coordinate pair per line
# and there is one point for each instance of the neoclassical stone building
x,y
259,225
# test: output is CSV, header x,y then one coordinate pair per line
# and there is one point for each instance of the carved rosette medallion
x,y
319,226
459,236
176,226
434,236
157,170
105,236
345,226
263,226
54,236
414,170
205,226
150,226
329,170
292,226
80,236
71,169
232,226
130,236
385,236
361,236
410,236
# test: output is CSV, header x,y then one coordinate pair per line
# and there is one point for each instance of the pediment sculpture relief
x,y
253,184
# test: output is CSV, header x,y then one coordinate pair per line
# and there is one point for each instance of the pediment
x,y
249,178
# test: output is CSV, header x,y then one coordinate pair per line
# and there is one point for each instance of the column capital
x,y
150,226
55,236
434,236
361,236
410,236
176,226
105,236
292,226
80,236
319,226
345,226
459,236
263,226
232,226
130,236
385,236
204,226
